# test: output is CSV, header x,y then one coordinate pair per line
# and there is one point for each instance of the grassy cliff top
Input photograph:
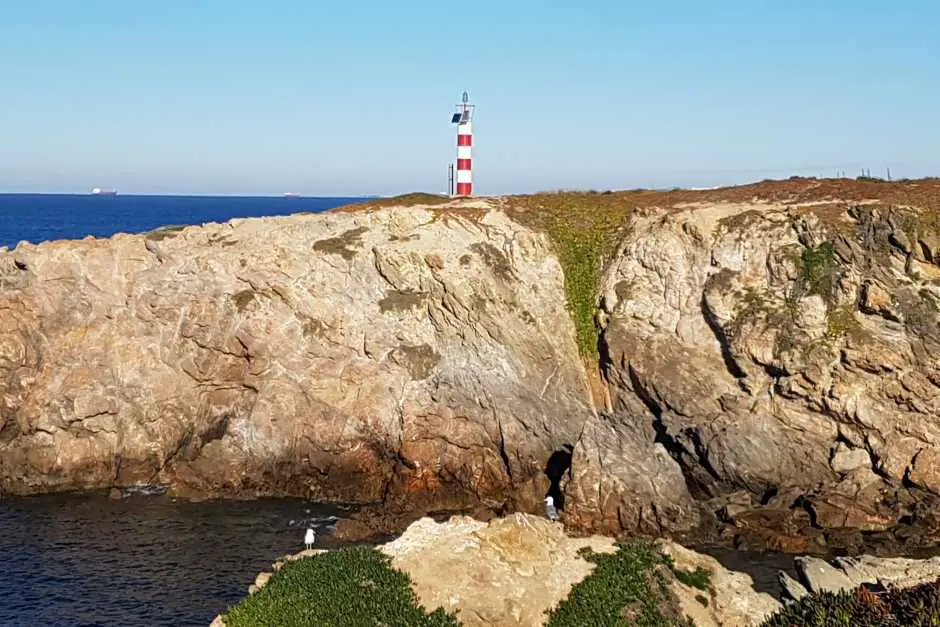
x,y
923,193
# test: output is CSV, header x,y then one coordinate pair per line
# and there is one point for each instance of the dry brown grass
x,y
405,200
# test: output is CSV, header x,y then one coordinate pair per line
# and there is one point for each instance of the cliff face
x,y
383,356
773,360
786,355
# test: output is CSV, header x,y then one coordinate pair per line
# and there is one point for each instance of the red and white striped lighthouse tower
x,y
464,121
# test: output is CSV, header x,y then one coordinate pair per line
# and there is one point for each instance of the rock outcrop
x,y
730,601
509,571
512,571
396,356
846,573
786,355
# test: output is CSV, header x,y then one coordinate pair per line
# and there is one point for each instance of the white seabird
x,y
550,510
309,539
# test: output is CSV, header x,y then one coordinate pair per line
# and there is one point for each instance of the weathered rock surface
x,y
787,350
511,571
732,600
817,575
897,571
792,588
846,573
507,572
399,355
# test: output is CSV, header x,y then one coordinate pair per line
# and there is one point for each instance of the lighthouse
x,y
463,118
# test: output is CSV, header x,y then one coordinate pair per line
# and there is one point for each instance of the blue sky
x,y
354,97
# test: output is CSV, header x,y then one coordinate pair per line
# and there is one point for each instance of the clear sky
x,y
355,97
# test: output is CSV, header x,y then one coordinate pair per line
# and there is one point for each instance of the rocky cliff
x,y
786,355
376,356
765,354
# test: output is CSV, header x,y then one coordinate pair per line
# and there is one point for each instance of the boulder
x,y
791,587
898,571
818,575
260,582
846,459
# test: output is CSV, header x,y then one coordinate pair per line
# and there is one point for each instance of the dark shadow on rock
x,y
762,567
558,464
719,333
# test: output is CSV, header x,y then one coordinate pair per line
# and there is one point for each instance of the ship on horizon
x,y
103,191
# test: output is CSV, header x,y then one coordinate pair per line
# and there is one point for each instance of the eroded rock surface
x,y
400,356
510,572
786,351
730,601
506,572
845,573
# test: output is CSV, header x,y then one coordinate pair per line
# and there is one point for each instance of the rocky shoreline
x,y
513,570
763,375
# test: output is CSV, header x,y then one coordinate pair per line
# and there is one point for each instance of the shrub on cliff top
x,y
918,606
350,587
629,587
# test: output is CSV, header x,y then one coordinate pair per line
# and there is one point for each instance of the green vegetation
x,y
700,578
918,606
841,320
350,587
629,587
163,232
821,271
584,227
357,587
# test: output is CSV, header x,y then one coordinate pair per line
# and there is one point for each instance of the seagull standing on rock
x,y
550,510
309,539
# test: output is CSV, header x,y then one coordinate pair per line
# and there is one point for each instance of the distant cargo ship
x,y
291,195
103,191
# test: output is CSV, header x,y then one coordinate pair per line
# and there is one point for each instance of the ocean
x,y
40,217
87,560
70,560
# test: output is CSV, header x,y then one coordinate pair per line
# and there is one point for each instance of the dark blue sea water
x,y
40,217
89,560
